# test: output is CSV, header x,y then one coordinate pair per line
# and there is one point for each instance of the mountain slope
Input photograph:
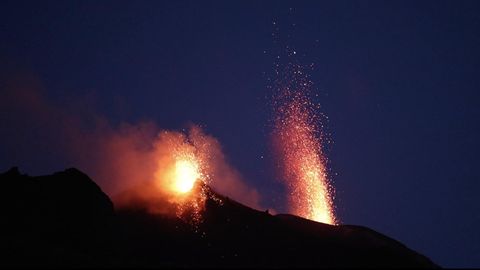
x,y
66,220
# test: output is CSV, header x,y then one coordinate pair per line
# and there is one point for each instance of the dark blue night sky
x,y
398,80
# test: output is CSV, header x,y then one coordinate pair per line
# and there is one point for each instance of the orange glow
x,y
171,173
186,174
299,149
181,167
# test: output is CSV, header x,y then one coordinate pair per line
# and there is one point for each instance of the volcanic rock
x,y
65,219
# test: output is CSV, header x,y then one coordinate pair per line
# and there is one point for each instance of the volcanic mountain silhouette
x,y
65,219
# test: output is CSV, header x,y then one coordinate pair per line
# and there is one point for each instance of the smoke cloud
x,y
122,159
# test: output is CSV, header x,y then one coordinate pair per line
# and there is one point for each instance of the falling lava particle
x,y
298,145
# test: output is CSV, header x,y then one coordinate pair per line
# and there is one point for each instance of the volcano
x,y
65,219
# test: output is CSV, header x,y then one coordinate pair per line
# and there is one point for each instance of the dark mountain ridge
x,y
65,219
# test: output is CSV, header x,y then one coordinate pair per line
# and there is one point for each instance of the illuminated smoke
x,y
167,173
138,165
298,145
175,181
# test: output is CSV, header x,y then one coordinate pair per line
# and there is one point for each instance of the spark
x,y
298,143
181,176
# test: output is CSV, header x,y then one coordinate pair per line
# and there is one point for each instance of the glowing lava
x,y
186,174
297,141
180,175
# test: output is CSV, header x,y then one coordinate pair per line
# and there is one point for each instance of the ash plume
x,y
121,158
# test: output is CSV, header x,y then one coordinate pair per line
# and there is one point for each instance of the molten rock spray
x,y
298,145
177,181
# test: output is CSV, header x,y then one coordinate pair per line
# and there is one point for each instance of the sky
x,y
398,81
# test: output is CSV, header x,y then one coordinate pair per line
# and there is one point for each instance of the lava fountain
x,y
186,174
172,177
298,146
181,173
168,172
